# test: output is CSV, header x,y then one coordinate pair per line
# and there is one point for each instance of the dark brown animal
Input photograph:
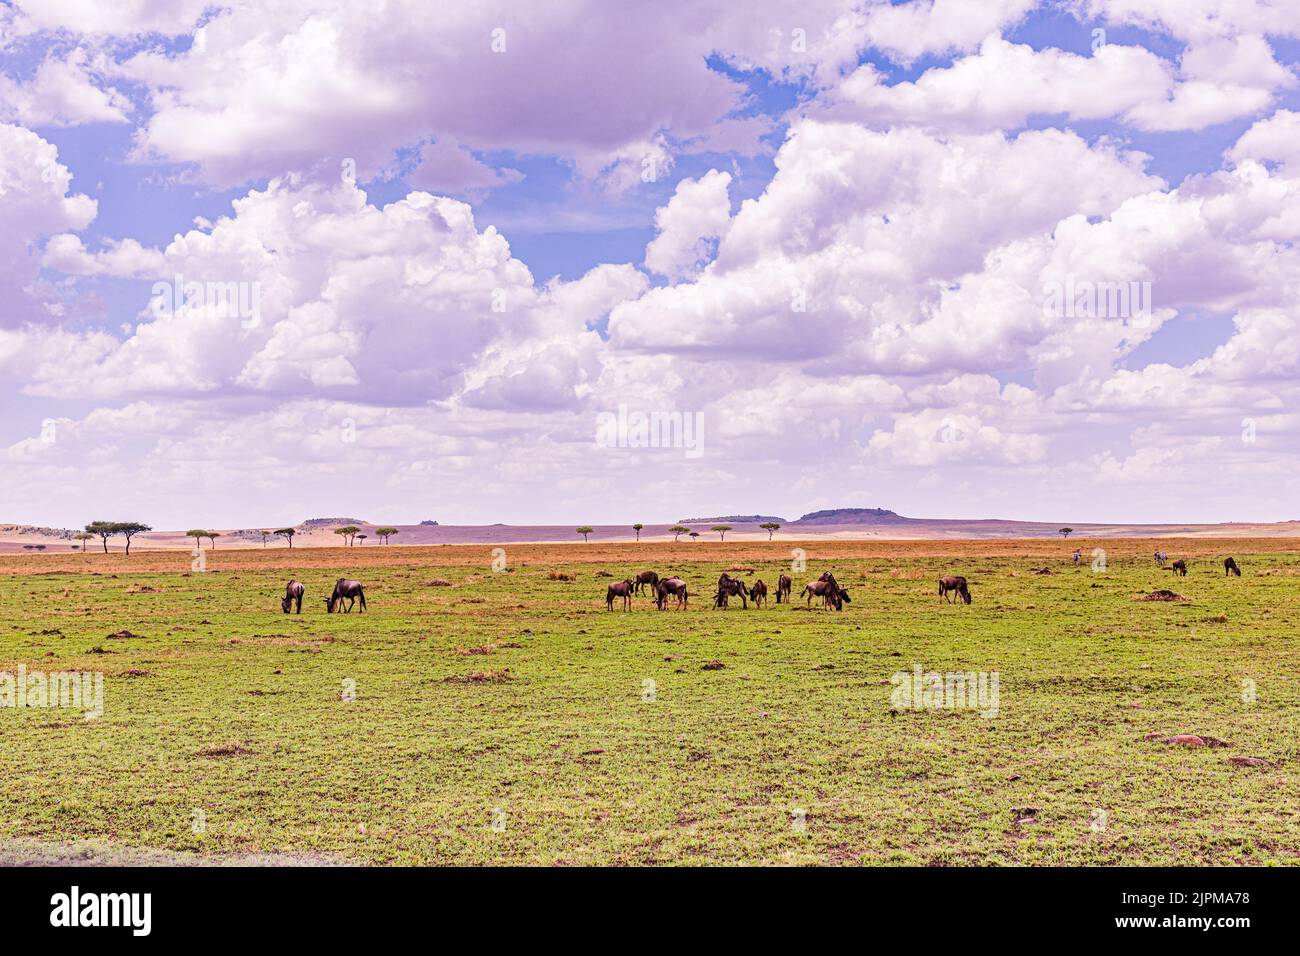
x,y
729,587
832,594
1230,567
758,593
1179,567
674,586
293,592
955,584
783,584
346,588
623,589
645,578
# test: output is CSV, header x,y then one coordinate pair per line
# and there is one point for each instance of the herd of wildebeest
x,y
833,595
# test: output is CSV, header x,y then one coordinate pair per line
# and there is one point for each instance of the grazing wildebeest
x,y
293,592
646,578
832,594
1179,567
783,584
729,587
622,589
956,584
1230,567
758,593
674,586
345,588
1078,556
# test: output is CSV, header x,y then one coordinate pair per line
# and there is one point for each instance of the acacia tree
x,y
584,531
198,534
288,534
83,537
105,530
677,531
637,528
130,529
722,530
385,533
360,537
769,527
694,535
212,537
1066,532
348,532
265,535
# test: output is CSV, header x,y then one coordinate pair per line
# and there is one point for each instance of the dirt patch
x,y
480,649
122,635
561,576
230,749
713,666
1186,740
1163,594
502,676
437,583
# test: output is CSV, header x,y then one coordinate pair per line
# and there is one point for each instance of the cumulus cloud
x,y
690,225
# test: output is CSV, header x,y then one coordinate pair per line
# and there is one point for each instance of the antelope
x,y
346,588
293,593
956,584
622,589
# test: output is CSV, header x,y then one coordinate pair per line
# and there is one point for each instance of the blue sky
x,y
941,165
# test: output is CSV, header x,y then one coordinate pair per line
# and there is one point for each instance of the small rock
x,y
713,666
1247,762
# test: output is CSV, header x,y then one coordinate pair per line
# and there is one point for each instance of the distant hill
x,y
739,519
855,516
330,522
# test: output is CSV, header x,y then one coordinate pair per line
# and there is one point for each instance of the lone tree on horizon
x,y
349,533
385,533
198,534
288,534
722,530
1066,532
360,537
695,535
770,527
130,529
637,528
584,531
83,537
677,531
265,535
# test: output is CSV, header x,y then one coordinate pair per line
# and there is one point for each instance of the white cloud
x,y
690,225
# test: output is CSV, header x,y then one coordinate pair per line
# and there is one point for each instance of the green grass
x,y
585,770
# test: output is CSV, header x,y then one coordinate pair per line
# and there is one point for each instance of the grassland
x,y
515,697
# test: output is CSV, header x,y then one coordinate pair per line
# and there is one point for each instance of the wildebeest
x,y
729,587
293,592
346,588
832,594
674,586
1230,567
645,578
621,589
956,584
1161,558
758,593
783,584
1179,567
1078,556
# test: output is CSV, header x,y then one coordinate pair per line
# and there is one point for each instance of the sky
x,y
265,260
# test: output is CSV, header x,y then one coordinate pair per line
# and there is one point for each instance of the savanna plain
x,y
484,716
